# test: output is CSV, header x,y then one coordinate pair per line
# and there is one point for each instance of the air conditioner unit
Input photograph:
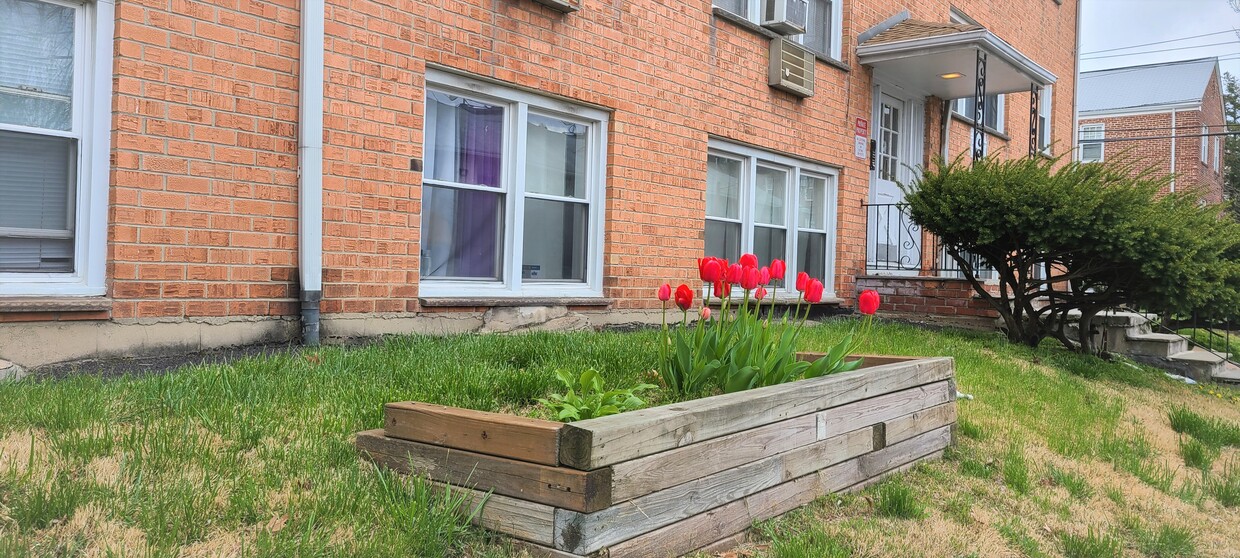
x,y
786,17
792,68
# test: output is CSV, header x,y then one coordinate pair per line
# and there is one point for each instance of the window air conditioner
x,y
792,68
786,17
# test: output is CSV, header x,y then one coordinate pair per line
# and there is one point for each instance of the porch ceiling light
x,y
951,75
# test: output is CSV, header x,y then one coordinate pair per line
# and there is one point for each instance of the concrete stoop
x,y
1130,333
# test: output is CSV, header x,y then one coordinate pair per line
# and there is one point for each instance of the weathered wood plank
x,y
554,486
585,533
868,361
512,516
894,455
920,422
844,418
642,476
806,460
596,443
735,517
705,528
520,438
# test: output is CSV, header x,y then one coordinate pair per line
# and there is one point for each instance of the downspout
x,y
1076,83
310,165
1174,132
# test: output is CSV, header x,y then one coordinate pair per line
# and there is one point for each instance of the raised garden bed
x,y
668,480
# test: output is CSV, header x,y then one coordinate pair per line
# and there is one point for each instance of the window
x,y
1205,145
992,111
822,33
512,197
1091,146
1044,119
1217,155
772,206
55,99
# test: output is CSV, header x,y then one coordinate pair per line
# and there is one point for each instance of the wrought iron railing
x,y
897,245
1217,335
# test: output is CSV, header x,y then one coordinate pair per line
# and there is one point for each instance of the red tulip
x,y
802,281
778,269
867,302
722,288
709,269
684,297
760,293
665,292
750,278
764,275
705,312
735,271
749,260
813,291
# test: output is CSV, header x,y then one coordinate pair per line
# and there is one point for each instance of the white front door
x,y
894,241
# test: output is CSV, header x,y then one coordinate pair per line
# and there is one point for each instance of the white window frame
x,y
1045,112
751,158
1205,145
91,125
1217,153
1101,130
518,105
753,14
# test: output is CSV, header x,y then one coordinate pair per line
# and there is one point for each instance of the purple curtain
x,y
477,215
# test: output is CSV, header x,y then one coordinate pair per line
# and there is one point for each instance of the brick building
x,y
1158,115
185,174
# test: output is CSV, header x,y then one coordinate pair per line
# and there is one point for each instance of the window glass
x,y
738,7
818,26
555,155
462,233
812,204
464,140
36,64
37,191
772,189
554,241
991,111
723,187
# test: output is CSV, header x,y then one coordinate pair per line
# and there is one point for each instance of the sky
x,y
1111,24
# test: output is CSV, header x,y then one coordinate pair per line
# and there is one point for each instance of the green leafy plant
x,y
592,401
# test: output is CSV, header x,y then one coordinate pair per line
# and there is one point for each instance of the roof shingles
x,y
1145,86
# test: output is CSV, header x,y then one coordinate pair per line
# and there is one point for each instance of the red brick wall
x,y
1191,173
202,217
952,299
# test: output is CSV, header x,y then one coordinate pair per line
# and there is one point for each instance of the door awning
x,y
941,59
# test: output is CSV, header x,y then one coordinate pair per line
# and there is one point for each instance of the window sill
x,y
744,23
987,129
55,304
477,302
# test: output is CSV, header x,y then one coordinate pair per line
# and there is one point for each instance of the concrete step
x,y
1202,366
1156,344
1230,373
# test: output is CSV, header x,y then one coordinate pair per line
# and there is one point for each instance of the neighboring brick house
x,y
169,182
1160,116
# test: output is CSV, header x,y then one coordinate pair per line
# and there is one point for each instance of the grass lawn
x,y
1058,454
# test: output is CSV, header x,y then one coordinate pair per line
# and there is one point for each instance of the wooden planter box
x,y
668,480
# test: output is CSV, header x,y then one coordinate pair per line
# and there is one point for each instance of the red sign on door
x,y
863,127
